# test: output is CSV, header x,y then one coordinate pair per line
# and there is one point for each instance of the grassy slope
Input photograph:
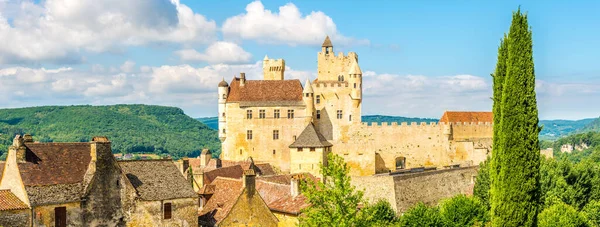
x,y
131,128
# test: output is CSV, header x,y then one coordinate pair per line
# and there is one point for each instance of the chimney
x,y
294,186
12,176
242,79
249,182
219,164
185,162
19,147
100,148
27,138
205,157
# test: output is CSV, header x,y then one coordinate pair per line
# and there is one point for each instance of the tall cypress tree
x,y
498,80
515,193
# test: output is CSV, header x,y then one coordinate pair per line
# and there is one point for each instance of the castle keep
x,y
294,127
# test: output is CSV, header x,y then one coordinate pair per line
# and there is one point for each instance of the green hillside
x,y
554,129
131,128
592,126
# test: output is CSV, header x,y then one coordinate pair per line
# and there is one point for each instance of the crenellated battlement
x,y
330,84
426,124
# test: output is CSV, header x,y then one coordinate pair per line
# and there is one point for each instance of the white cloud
x,y
218,52
59,30
288,26
127,66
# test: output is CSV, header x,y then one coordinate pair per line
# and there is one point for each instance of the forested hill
x,y
130,128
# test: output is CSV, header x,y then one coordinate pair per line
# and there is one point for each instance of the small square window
x,y
249,134
276,114
318,114
249,114
339,114
261,114
290,114
167,210
318,99
312,149
275,134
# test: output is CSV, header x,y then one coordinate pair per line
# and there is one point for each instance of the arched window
x,y
400,162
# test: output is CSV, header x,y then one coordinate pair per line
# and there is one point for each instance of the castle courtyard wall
x,y
406,190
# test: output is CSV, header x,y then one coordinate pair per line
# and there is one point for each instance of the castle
x,y
294,127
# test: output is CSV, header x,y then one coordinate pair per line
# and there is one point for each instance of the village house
x,y
77,184
282,198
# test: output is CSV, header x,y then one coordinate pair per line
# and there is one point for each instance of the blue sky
x,y
421,57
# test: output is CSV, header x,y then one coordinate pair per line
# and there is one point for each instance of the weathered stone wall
x,y
335,96
15,218
250,210
109,199
150,213
286,220
262,147
273,69
305,161
44,215
405,191
330,66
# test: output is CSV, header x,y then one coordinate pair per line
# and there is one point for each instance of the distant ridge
x,y
131,128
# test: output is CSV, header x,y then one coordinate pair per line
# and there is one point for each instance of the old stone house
x,y
71,184
13,211
164,196
235,203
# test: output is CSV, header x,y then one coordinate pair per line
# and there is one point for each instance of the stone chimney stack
x,y
101,148
27,138
295,187
249,182
185,164
242,79
19,148
205,157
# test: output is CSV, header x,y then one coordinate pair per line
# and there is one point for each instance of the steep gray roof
x,y
327,42
310,137
157,179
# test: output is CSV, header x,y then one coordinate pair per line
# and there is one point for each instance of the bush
x,y
461,211
560,215
379,214
592,213
422,216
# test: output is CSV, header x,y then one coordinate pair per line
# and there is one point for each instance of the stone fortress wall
x,y
370,149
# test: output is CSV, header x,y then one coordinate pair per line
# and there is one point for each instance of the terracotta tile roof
x,y
229,172
265,169
217,207
277,197
9,201
310,137
286,178
456,116
157,179
55,163
257,92
261,168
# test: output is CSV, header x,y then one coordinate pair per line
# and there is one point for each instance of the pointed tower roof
x,y
310,137
354,69
223,83
307,87
266,58
327,42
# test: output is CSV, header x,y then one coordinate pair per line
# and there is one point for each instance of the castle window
x,y
294,138
224,96
318,99
275,134
312,149
349,117
400,162
354,85
339,114
249,134
167,211
223,114
276,114
318,114
273,152
290,114
223,131
240,151
249,114
261,114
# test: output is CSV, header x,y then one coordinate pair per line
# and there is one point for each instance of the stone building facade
x,y
262,118
82,184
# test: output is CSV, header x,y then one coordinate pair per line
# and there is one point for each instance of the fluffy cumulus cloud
x,y
288,26
218,52
59,30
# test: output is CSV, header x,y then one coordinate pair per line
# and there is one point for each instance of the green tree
x,y
422,215
515,182
334,201
380,213
481,190
561,215
591,212
461,211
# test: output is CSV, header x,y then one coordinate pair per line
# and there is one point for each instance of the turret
x,y
223,93
327,47
273,69
308,98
